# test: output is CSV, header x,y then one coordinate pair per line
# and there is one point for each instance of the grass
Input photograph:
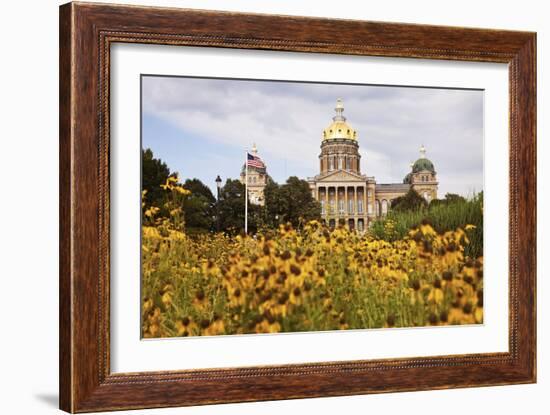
x,y
443,218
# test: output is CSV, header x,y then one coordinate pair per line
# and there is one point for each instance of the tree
x,y
198,207
291,202
196,187
449,199
274,208
230,209
154,173
453,197
411,201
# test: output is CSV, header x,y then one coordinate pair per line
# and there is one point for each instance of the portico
x,y
347,196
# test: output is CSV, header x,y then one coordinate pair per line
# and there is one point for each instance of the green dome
x,y
423,164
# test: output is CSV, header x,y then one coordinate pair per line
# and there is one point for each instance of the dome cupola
x,y
339,128
423,163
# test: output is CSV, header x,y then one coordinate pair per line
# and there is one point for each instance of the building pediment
x,y
340,176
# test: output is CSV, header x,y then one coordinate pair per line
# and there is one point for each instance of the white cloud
x,y
286,121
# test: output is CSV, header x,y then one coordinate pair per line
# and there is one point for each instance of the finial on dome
x,y
411,165
423,152
339,110
254,149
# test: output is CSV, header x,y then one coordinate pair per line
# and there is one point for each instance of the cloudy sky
x,y
202,128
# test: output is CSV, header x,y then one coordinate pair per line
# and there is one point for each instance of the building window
x,y
369,194
384,207
350,206
331,206
330,164
340,163
369,207
341,206
360,206
377,207
348,163
360,225
323,207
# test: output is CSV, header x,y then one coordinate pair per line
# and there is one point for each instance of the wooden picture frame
x,y
86,33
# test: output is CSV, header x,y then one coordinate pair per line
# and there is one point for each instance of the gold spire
x,y
339,128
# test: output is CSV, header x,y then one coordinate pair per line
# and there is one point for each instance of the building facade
x,y
257,179
347,195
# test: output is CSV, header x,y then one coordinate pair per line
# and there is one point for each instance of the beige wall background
x,y
29,205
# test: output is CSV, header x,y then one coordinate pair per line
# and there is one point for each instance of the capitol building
x,y
347,196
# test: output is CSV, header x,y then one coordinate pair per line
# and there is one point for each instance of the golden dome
x,y
339,129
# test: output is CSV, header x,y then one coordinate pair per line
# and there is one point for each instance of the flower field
x,y
289,280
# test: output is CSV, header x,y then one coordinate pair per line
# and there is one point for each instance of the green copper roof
x,y
423,164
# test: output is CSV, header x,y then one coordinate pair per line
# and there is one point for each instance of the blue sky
x,y
202,128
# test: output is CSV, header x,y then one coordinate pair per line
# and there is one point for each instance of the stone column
x,y
327,203
366,201
335,199
355,207
346,197
337,203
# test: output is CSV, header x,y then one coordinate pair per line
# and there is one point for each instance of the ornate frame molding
x,y
86,34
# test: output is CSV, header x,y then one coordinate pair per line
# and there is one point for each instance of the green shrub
x,y
443,216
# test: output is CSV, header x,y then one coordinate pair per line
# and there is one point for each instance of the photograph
x,y
274,206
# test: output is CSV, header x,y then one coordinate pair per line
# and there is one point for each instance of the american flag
x,y
254,161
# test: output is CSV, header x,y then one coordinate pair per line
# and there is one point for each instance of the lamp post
x,y
218,187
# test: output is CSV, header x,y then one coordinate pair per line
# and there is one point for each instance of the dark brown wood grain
x,y
86,33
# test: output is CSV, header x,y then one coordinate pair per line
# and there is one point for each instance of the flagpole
x,y
246,194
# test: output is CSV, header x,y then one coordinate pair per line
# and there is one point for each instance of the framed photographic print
x,y
253,208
